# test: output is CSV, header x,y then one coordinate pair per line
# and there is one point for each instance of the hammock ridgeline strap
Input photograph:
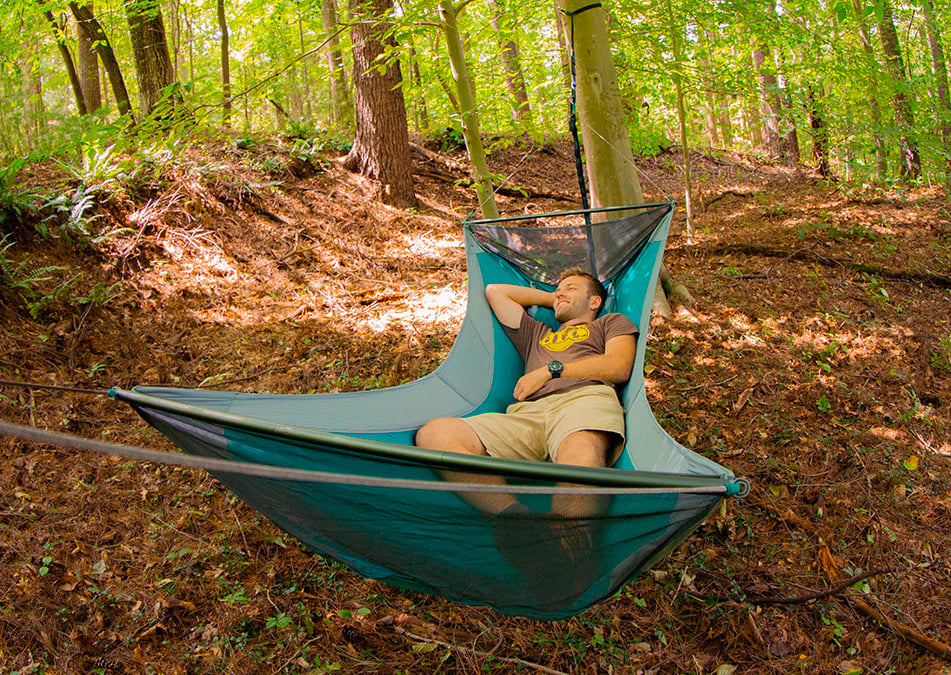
x,y
308,476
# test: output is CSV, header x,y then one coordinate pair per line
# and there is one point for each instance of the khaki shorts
x,y
535,429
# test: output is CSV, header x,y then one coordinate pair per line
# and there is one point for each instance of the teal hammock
x,y
530,561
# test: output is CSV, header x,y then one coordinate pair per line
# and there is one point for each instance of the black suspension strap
x,y
52,387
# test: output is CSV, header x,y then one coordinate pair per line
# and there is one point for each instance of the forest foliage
x,y
855,88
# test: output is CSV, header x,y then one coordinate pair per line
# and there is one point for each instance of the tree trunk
x,y
819,132
97,36
910,158
726,125
225,67
32,90
940,68
506,27
88,66
871,65
790,137
420,111
59,36
381,147
342,111
769,97
153,65
611,169
709,112
676,73
465,91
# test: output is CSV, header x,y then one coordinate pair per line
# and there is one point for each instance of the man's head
x,y
578,294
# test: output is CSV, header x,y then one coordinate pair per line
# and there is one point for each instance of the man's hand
x,y
531,382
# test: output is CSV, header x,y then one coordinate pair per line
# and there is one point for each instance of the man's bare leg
x,y
451,434
583,448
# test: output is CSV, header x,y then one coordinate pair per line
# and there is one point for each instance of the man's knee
x,y
586,448
450,434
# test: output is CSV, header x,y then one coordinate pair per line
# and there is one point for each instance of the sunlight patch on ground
x,y
446,305
427,244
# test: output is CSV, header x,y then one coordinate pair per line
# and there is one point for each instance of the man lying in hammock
x,y
567,408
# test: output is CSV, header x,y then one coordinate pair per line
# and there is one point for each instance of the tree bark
x,y
97,36
910,158
59,36
342,111
153,65
819,132
32,90
769,97
420,111
677,77
881,158
505,28
940,68
225,67
381,147
88,67
465,91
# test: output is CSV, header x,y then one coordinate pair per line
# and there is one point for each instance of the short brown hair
x,y
595,286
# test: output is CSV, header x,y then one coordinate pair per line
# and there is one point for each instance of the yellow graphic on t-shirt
x,y
564,338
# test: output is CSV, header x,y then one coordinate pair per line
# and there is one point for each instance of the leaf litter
x,y
815,362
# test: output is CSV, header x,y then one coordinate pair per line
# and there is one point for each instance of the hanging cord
x,y
308,476
631,162
52,387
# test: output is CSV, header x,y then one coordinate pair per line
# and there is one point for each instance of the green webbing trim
x,y
309,476
508,468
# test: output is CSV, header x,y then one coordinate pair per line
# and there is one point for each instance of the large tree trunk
x,y
153,65
342,111
88,66
871,66
381,147
465,92
506,27
910,158
59,36
97,36
769,97
611,170
940,68
225,67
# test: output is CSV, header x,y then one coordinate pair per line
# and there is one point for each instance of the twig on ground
x,y
476,652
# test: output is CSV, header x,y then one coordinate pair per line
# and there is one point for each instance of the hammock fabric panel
x,y
439,542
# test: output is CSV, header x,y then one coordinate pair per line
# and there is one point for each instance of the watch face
x,y
555,368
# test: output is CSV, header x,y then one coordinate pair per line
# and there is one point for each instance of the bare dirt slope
x,y
817,362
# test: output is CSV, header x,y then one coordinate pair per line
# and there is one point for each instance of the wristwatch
x,y
555,368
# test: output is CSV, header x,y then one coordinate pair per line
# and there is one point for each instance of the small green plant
x,y
15,203
823,404
45,567
279,622
941,357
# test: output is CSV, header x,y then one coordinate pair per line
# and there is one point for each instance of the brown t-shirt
x,y
539,345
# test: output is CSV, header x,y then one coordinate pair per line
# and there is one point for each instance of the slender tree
x,y
940,68
506,28
88,67
97,36
910,158
465,91
225,66
871,67
341,111
381,147
676,73
59,36
769,96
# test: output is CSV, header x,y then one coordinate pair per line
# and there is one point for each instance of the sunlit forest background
x,y
855,88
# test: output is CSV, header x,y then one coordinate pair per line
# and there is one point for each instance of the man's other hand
x,y
531,382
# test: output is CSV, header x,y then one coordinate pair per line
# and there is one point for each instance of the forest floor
x,y
816,362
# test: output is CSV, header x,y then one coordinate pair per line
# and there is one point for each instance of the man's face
x,y
574,299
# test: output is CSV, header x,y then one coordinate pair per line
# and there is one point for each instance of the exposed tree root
x,y
926,278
